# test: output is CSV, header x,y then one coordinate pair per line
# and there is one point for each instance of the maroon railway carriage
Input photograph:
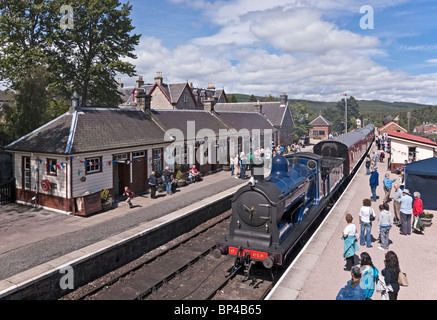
x,y
350,147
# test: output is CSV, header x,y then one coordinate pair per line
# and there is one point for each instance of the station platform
x,y
317,273
36,241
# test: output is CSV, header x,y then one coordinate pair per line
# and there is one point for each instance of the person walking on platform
x,y
388,183
350,242
385,222
130,195
391,274
367,215
406,212
396,203
353,289
369,275
374,182
153,182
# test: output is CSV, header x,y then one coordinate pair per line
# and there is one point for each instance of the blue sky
x,y
309,49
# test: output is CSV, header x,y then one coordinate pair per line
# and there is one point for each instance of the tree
x,y
88,56
23,38
233,98
252,98
31,101
42,63
301,115
336,114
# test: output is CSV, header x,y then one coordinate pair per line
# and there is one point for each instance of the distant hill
x,y
366,106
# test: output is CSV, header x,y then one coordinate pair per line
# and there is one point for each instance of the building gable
x,y
186,99
160,98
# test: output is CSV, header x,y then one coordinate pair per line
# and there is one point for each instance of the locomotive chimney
x,y
257,171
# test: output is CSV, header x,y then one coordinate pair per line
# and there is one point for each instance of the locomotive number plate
x,y
253,254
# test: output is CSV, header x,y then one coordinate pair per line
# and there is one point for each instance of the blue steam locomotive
x,y
270,215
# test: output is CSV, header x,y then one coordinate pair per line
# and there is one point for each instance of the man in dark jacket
x,y
168,177
374,182
153,182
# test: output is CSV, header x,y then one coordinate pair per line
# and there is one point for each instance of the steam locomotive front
x,y
264,208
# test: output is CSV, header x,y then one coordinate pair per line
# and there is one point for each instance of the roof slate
x,y
96,130
274,111
244,120
178,119
320,121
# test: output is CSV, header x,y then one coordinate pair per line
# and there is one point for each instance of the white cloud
x,y
312,58
304,31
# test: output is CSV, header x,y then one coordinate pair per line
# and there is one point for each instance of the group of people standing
x,y
366,278
167,178
407,211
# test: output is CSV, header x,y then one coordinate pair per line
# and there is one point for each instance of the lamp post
x,y
345,110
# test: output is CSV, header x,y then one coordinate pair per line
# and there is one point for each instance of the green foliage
x,y
302,116
232,99
105,195
179,175
24,36
253,98
336,114
90,55
31,100
43,63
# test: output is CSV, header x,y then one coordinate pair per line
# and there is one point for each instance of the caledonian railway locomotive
x,y
270,215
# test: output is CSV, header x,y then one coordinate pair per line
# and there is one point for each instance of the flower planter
x,y
106,206
426,221
181,183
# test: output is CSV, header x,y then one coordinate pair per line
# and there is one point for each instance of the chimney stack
x,y
284,99
211,86
75,102
259,107
209,104
158,78
144,102
140,82
119,84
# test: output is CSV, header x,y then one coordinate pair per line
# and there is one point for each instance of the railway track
x,y
184,269
146,274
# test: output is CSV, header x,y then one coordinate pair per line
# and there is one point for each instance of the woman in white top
x,y
367,215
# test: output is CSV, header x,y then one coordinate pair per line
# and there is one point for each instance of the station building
x,y
409,147
66,163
